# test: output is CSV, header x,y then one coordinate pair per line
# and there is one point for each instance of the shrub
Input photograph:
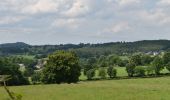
x,y
149,70
111,71
158,65
90,74
102,73
140,71
130,68
168,66
36,77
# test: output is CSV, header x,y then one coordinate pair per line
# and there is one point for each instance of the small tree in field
x,y
140,71
102,73
111,71
90,74
168,66
130,68
158,65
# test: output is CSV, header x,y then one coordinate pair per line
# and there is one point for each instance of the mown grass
x,y
117,89
127,89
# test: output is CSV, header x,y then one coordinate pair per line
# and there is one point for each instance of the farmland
x,y
126,89
117,89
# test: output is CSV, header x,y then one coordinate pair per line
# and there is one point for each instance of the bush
x,y
9,68
140,71
158,65
168,66
90,74
36,77
61,67
111,72
149,70
130,68
102,73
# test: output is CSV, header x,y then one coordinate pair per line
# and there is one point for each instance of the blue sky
x,y
85,21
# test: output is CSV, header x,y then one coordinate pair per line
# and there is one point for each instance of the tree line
x,y
66,67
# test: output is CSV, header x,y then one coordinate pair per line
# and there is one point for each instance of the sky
x,y
83,21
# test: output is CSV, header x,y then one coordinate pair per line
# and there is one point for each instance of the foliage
x,y
61,66
9,68
111,71
140,71
91,64
90,74
102,73
36,77
146,59
130,68
168,66
136,59
158,65
150,70
166,57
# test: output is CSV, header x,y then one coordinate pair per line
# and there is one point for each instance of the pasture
x,y
117,89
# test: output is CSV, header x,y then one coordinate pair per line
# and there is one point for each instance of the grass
x,y
127,89
118,89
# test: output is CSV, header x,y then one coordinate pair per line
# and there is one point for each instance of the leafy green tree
x,y
111,71
146,59
90,74
36,77
140,71
158,65
91,64
150,70
166,58
9,68
102,73
136,59
130,68
61,67
168,66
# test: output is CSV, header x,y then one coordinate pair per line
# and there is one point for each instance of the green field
x,y
123,89
126,89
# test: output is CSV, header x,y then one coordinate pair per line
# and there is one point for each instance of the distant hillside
x,y
88,50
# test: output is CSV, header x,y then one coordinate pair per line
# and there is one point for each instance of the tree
x,y
102,73
140,71
90,74
61,66
136,59
168,66
36,77
166,58
158,65
91,64
146,59
111,71
12,69
130,68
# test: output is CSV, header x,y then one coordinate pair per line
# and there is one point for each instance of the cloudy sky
x,y
85,21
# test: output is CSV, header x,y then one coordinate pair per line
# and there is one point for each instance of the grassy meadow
x,y
126,89
123,89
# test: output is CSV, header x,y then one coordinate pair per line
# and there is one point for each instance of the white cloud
x,y
127,2
41,6
11,19
119,27
79,7
163,2
71,23
158,17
